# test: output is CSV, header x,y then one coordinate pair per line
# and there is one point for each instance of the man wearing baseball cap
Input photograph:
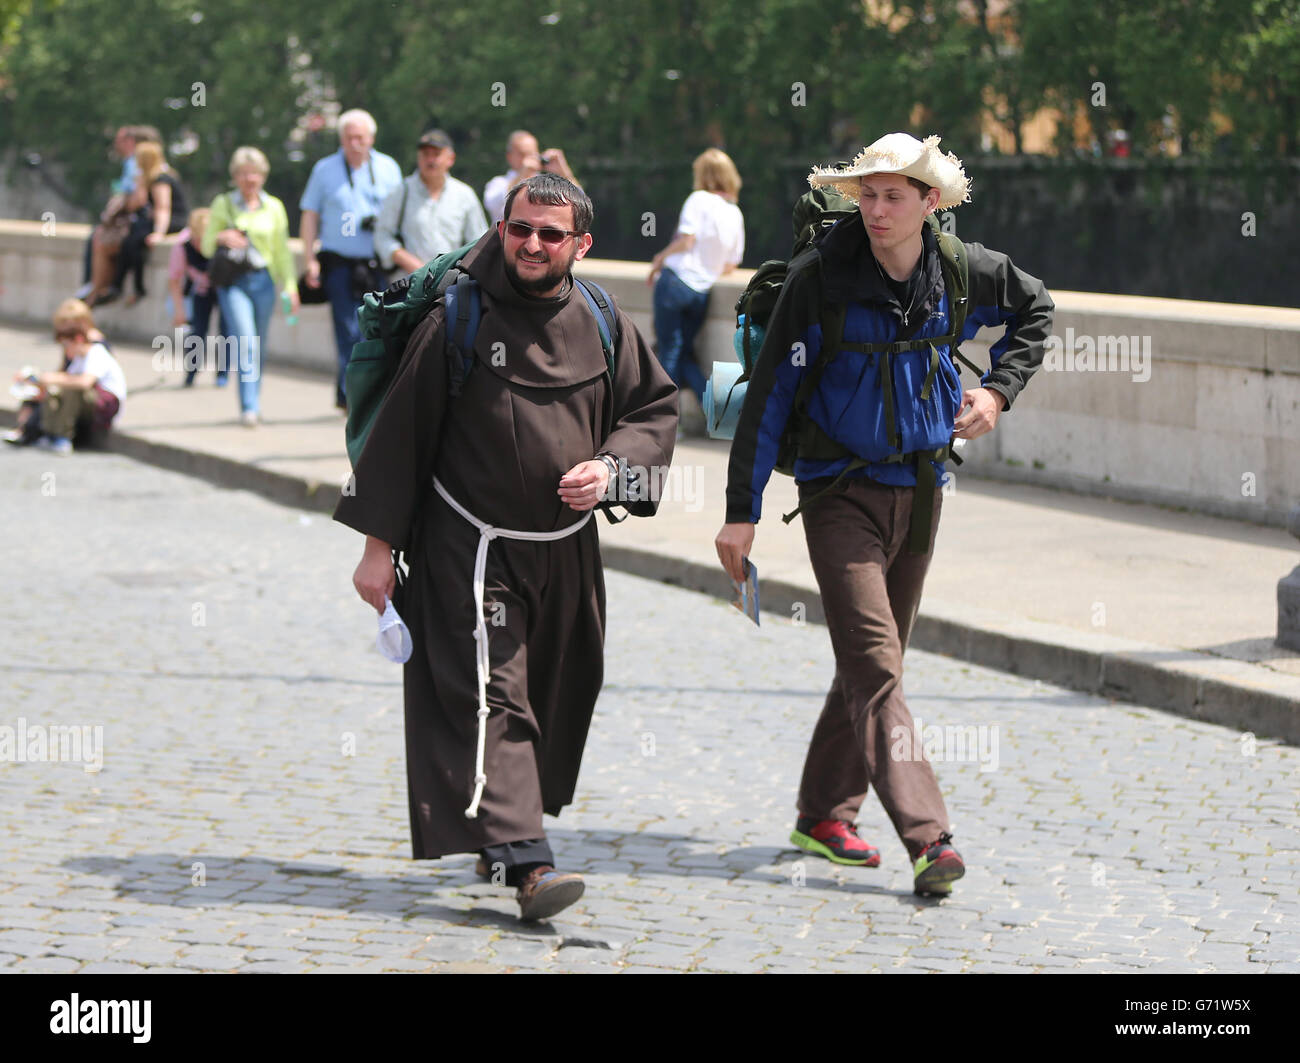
x,y
875,430
429,212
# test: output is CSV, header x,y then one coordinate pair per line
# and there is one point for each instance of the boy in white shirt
x,y
83,397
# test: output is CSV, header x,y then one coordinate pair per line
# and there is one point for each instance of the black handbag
x,y
228,264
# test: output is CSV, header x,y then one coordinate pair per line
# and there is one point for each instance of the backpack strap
x,y
464,309
832,317
395,293
606,320
956,278
401,217
918,533
607,325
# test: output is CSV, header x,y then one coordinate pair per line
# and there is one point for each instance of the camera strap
x,y
370,167
370,197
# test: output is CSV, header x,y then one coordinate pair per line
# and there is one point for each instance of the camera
x,y
368,223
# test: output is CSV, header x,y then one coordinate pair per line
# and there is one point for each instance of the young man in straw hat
x,y
877,425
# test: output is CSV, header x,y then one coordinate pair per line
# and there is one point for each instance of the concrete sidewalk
x,y
1167,608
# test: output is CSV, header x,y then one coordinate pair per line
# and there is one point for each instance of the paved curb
x,y
1195,686
1111,668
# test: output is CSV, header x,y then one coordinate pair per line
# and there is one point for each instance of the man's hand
x,y
529,167
554,161
733,544
374,578
583,486
978,414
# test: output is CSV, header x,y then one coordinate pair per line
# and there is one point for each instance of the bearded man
x,y
491,493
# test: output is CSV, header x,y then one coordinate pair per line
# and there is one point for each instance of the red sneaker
x,y
937,868
836,840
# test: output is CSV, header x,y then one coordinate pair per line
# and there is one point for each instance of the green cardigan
x,y
267,228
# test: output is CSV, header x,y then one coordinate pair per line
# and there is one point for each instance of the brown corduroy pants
x,y
871,590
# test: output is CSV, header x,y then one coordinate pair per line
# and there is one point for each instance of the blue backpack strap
x,y
607,325
464,308
606,320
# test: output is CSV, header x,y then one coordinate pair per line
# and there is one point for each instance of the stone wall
x,y
1183,403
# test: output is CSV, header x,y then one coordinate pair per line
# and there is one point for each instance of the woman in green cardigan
x,y
239,218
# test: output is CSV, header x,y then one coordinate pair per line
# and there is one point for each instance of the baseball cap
x,y
435,138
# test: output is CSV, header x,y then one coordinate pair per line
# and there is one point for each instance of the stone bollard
x,y
1288,596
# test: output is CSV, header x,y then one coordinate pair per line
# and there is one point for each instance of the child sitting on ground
x,y
81,400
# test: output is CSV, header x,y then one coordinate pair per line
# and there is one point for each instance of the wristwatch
x,y
611,463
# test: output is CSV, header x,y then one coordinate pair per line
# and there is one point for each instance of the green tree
x,y
209,75
1157,65
1261,80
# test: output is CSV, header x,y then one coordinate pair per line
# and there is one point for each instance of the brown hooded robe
x,y
535,404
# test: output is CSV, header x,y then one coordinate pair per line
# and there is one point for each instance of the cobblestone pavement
x,y
250,813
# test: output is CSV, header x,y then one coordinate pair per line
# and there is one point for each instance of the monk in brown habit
x,y
506,597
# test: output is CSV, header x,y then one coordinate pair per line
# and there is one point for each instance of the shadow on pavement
x,y
204,880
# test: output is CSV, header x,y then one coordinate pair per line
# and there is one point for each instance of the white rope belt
x,y
486,533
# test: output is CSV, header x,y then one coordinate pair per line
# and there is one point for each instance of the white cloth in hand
x,y
394,638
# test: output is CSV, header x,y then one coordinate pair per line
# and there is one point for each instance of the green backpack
x,y
388,318
814,213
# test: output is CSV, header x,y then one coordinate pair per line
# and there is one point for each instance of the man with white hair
x,y
340,204
875,415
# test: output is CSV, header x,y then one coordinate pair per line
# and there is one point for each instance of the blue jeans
x,y
247,306
679,312
337,282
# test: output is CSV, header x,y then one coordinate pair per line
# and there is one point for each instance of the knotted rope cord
x,y
486,533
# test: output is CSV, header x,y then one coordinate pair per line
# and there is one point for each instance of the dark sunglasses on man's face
x,y
547,234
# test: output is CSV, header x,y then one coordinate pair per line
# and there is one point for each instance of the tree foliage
x,y
635,88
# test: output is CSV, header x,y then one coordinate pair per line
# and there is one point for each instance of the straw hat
x,y
900,153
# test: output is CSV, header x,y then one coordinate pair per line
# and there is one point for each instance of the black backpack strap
x,y
966,361
401,217
394,293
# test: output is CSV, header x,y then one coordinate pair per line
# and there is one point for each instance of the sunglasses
x,y
68,334
547,234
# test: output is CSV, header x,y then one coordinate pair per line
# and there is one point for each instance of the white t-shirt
x,y
103,367
719,231
494,195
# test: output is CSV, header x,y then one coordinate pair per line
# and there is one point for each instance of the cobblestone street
x,y
250,813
